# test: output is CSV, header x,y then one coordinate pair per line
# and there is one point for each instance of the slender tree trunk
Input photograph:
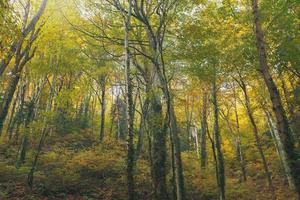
x,y
203,132
240,152
279,147
189,119
212,142
179,179
12,114
256,135
217,145
130,109
8,98
142,127
43,136
34,164
173,179
25,140
286,96
19,115
281,118
103,107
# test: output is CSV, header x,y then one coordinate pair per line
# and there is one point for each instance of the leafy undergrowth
x,y
201,183
75,167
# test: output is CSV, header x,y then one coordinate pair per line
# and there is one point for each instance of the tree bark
x,y
12,114
158,130
25,140
130,108
256,135
217,145
279,147
203,132
103,107
8,98
240,152
281,118
144,115
43,136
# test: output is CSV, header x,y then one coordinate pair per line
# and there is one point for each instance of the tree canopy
x,y
160,99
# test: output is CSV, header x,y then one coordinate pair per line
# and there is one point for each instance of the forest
x,y
149,99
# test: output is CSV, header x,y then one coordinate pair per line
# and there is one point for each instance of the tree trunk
x,y
25,141
203,132
8,98
130,108
240,152
142,127
279,147
174,130
158,129
217,145
19,115
12,115
256,135
103,107
281,118
43,136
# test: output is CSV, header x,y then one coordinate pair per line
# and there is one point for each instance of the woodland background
x,y
149,99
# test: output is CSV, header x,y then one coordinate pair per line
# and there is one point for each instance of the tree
x,y
282,121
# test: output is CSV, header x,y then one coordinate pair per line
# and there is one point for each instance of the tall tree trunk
x,y
43,136
239,149
203,132
158,130
23,55
281,118
217,145
281,153
144,115
103,107
256,135
179,179
8,98
286,95
25,140
30,115
19,115
12,115
189,119
174,130
130,108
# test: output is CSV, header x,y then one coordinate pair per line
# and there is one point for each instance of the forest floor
x,y
75,167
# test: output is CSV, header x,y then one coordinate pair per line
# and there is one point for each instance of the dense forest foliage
x,y
150,99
